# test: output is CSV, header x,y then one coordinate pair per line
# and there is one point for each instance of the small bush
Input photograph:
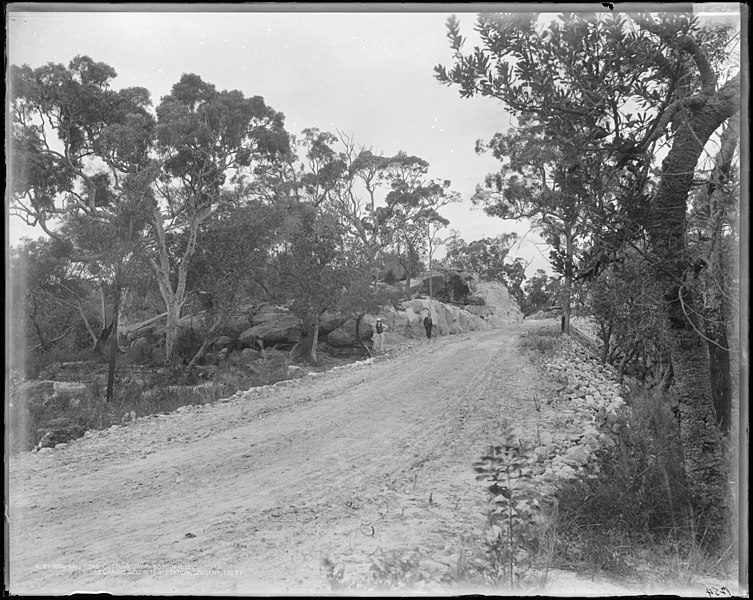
x,y
543,342
516,522
638,494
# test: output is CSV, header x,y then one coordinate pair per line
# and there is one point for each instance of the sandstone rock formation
x,y
448,319
345,335
273,325
498,307
448,285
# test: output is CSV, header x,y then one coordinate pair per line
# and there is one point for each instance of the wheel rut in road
x,y
249,495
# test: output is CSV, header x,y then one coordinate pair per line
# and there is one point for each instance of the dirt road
x,y
248,495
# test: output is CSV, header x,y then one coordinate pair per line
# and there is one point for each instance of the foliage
x,y
188,344
515,517
540,292
126,178
395,214
630,321
333,574
57,303
488,258
543,341
638,496
361,299
595,114
312,270
393,569
605,93
142,392
231,264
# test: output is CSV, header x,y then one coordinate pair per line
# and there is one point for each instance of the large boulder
x,y
503,308
470,322
272,325
222,342
345,335
331,321
448,319
447,285
409,320
479,310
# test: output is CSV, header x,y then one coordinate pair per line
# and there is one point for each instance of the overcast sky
x,y
367,74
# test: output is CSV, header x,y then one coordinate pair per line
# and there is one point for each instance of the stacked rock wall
x,y
589,411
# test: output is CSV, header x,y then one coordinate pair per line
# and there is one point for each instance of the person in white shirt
x,y
379,330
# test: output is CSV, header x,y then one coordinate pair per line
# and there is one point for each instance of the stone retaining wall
x,y
586,416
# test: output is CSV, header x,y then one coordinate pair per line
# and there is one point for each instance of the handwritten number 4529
x,y
718,591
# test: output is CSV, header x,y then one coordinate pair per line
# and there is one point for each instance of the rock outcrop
x,y
498,307
489,300
447,285
448,319
470,306
492,307
272,325
345,335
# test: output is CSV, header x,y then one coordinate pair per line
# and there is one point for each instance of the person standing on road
x,y
428,324
380,328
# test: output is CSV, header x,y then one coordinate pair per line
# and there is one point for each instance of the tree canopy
x,y
617,93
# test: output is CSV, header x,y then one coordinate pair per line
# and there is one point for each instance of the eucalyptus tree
x,y
233,256
312,271
203,135
91,173
625,85
53,295
81,148
488,257
410,207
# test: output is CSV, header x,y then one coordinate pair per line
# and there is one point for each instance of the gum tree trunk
x,y
113,344
716,287
704,460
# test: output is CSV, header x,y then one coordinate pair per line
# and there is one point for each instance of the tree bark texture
x,y
716,276
704,462
567,288
113,346
315,342
201,352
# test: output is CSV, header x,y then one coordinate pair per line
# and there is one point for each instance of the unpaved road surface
x,y
248,495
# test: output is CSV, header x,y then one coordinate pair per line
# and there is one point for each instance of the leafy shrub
x,y
637,495
516,521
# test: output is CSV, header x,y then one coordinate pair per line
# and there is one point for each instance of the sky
x,y
366,74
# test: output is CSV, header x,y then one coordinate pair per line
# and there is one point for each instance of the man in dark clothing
x,y
428,325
